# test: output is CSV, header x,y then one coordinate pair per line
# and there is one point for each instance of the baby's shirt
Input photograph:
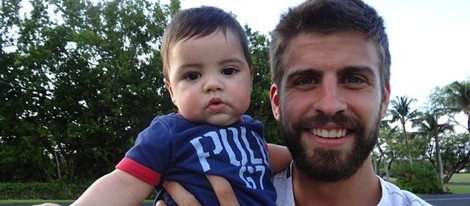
x,y
173,148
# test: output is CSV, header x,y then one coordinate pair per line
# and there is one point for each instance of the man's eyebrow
x,y
304,72
355,69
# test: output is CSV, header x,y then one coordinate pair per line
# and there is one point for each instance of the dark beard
x,y
326,164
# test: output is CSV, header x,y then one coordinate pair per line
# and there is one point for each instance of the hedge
x,y
41,190
45,191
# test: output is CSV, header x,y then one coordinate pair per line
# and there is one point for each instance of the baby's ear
x,y
170,90
252,77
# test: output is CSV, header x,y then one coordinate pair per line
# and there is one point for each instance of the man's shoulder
x,y
283,184
393,195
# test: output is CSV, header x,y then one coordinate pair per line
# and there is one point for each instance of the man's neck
x,y
363,188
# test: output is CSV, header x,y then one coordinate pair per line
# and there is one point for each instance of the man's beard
x,y
328,164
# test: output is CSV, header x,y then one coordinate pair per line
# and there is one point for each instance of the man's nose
x,y
330,100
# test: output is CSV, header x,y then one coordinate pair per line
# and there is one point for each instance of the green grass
x,y
461,177
459,184
457,189
35,201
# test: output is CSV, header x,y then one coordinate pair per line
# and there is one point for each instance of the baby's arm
x,y
279,157
115,188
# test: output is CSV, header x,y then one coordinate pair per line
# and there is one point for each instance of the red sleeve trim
x,y
138,170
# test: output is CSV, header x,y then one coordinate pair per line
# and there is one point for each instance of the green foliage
x,y
260,107
452,99
41,190
419,179
455,154
402,112
82,78
59,190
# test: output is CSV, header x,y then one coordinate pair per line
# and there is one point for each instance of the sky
x,y
429,39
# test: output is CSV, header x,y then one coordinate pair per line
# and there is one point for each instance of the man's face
x,y
330,102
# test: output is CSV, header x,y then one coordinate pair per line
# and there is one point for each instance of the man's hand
x,y
223,190
181,196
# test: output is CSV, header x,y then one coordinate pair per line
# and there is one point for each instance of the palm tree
x,y
402,112
459,98
428,126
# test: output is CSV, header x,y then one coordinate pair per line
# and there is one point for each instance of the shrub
x,y
45,191
419,179
41,190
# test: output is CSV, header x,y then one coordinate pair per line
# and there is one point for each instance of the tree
x,y
260,107
428,125
386,146
455,153
84,79
401,111
453,98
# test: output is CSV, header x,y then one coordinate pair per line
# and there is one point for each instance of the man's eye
x,y
354,80
304,81
192,76
229,71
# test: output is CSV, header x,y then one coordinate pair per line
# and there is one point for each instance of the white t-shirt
x,y
391,194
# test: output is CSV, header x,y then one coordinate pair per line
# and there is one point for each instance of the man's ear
x,y
274,98
385,100
170,90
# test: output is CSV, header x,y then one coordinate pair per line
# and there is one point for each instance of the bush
x,y
41,190
45,191
420,180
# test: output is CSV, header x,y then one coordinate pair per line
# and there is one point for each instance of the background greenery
x,y
80,79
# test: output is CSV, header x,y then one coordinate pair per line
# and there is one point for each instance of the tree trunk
x,y
468,123
59,176
407,143
439,158
387,173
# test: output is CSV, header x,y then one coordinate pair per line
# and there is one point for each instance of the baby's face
x,y
209,78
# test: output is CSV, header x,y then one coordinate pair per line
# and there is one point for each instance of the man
x,y
330,65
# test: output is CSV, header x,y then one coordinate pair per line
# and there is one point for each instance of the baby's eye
x,y
192,76
229,71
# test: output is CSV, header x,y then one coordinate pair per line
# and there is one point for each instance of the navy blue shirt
x,y
173,148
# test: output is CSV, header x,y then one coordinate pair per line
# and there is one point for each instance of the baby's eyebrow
x,y
233,61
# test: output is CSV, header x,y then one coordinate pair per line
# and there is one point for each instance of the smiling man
x,y
330,65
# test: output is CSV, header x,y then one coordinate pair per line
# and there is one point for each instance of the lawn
x,y
461,178
32,202
459,184
458,189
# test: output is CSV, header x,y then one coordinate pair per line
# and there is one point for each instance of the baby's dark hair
x,y
200,22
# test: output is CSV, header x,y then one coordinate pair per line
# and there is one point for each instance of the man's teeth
x,y
332,133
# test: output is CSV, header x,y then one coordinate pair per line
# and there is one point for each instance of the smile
x,y
330,133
